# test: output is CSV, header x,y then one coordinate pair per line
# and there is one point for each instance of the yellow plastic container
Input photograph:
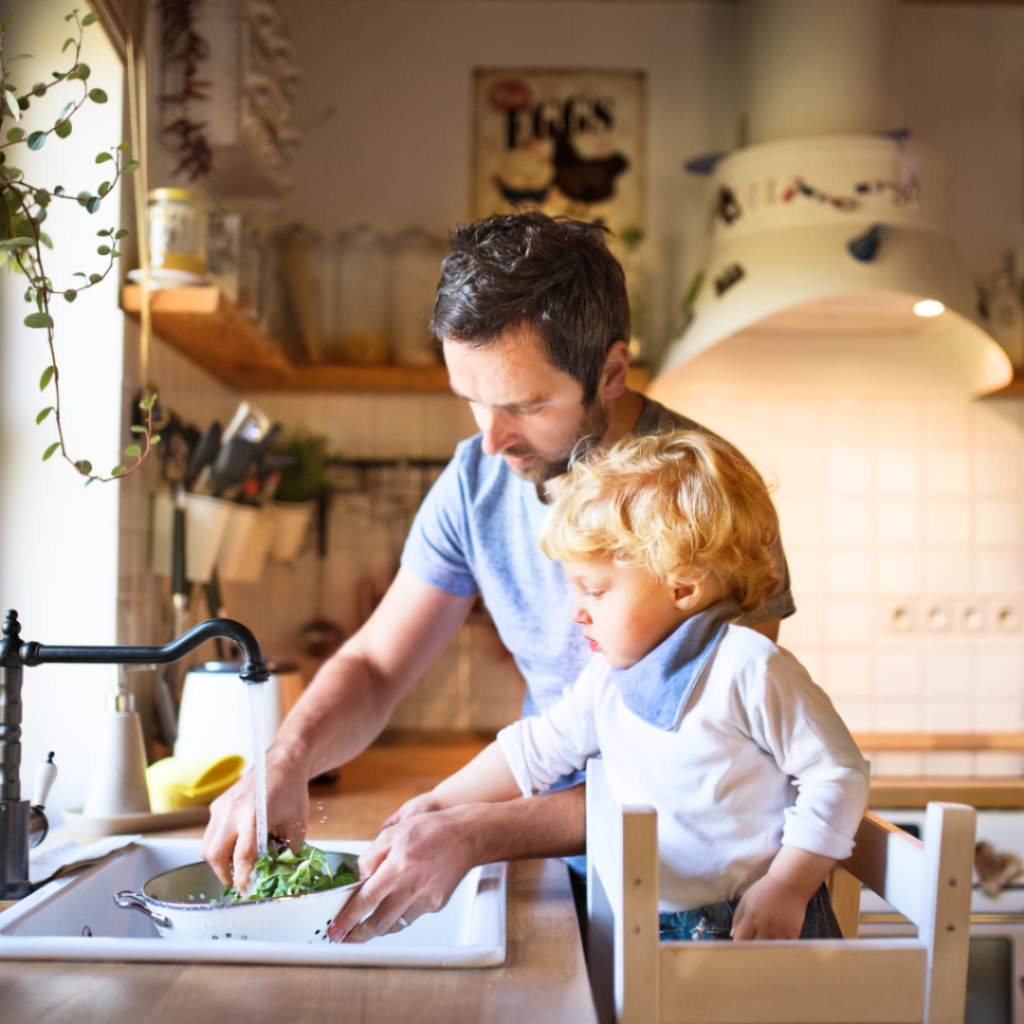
x,y
177,782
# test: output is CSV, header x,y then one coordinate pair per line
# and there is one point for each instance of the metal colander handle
x,y
128,900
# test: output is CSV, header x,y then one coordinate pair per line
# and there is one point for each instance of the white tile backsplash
x,y
947,473
898,472
849,471
848,571
948,521
893,504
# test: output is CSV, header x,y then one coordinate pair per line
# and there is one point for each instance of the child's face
x,y
625,613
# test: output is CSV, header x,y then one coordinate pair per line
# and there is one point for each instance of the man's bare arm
x,y
342,711
415,865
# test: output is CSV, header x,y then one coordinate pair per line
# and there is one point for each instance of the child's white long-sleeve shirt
x,y
759,758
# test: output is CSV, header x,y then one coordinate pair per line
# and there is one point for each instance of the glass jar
x,y
361,307
416,257
177,230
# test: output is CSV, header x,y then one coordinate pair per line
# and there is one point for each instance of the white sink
x,y
76,919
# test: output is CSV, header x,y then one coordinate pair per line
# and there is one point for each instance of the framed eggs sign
x,y
565,142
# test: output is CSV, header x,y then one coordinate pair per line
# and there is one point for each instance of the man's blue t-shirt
x,y
476,533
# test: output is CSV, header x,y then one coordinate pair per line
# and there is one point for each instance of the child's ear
x,y
688,592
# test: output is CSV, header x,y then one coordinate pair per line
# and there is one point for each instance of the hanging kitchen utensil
x,y
232,464
203,455
321,637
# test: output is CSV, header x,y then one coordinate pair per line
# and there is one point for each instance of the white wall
x,y
398,151
59,541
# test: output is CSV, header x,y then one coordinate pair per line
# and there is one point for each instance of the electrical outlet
x,y
972,617
899,617
938,617
1005,616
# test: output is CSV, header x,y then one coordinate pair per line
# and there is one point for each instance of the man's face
x,y
530,412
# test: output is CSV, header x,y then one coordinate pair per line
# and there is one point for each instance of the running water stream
x,y
259,758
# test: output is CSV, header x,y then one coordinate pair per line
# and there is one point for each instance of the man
x,y
534,320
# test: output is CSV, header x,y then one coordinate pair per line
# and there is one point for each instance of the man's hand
x,y
412,868
769,910
425,803
230,838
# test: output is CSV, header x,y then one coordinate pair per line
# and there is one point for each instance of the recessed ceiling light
x,y
929,307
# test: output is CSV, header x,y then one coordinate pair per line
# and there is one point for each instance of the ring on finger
x,y
402,923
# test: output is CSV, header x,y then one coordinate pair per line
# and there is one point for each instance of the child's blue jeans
x,y
714,922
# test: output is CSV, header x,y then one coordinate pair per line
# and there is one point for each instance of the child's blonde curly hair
x,y
679,504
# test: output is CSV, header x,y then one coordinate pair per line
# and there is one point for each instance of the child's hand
x,y
769,910
425,803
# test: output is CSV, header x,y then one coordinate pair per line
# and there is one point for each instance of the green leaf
x,y
71,295
90,18
133,450
102,158
45,378
39,320
103,232
68,17
97,96
155,439
103,250
131,167
63,129
118,471
42,197
43,414
123,145
16,135
46,239
23,104
93,278
68,107
39,89
37,140
78,273
58,190
104,188
5,24
147,403
18,56
91,480
136,429
84,466
13,105
83,71
17,243
122,233
67,42
94,204
84,197
49,451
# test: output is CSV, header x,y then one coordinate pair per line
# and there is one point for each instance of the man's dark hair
x,y
553,274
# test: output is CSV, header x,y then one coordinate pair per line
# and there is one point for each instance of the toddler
x,y
758,785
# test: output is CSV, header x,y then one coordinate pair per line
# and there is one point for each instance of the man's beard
x,y
544,468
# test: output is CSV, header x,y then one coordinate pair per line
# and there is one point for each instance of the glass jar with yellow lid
x,y
177,230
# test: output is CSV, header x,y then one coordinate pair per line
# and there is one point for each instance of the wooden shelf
x,y
205,326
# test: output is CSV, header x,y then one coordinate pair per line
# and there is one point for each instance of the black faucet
x,y
16,655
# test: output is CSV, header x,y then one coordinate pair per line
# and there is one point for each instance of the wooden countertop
x,y
543,980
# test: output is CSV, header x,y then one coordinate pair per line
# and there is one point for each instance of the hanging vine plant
x,y
25,206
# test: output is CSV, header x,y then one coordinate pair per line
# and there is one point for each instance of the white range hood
x,y
823,244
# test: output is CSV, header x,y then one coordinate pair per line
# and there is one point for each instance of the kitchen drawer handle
x,y
129,900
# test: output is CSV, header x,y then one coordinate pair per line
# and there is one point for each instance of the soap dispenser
x,y
118,784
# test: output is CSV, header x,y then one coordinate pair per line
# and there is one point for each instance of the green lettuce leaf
x,y
280,872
